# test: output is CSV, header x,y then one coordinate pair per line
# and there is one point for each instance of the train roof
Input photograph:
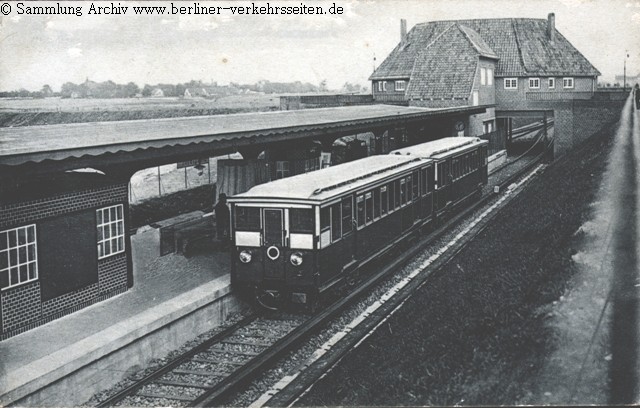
x,y
438,148
329,182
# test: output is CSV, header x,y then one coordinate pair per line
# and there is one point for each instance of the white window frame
x,y
475,98
400,85
551,83
384,86
566,81
534,83
509,81
380,86
17,259
489,76
483,76
106,220
281,171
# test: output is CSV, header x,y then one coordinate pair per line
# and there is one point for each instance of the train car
x,y
297,237
461,168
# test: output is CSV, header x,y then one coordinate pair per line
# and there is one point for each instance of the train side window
x,y
301,220
416,186
392,195
347,215
423,181
441,174
403,191
336,221
384,200
247,218
360,207
396,199
376,203
430,180
368,200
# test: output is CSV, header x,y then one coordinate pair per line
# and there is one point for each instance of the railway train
x,y
295,238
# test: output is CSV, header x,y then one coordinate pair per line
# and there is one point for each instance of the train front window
x,y
301,221
247,218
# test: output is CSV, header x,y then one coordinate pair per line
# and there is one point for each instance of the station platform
x,y
100,339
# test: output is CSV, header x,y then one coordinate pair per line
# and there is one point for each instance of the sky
x,y
53,49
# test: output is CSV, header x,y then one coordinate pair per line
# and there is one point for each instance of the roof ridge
x,y
480,19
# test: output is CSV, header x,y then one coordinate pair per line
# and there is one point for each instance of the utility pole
x,y
624,85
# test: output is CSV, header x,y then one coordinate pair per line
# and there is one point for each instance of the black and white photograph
x,y
291,203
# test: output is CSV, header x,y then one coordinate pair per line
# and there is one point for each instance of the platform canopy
x,y
142,139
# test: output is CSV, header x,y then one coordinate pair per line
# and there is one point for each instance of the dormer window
x,y
567,83
483,76
511,83
400,85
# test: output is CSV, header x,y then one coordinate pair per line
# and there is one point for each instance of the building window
x,y
379,86
534,83
399,85
567,82
511,83
552,83
18,256
384,86
282,169
489,76
487,126
483,76
110,231
475,97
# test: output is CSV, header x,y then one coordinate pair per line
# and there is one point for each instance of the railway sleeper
x,y
164,396
199,372
182,384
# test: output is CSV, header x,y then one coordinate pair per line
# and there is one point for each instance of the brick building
x,y
512,62
63,246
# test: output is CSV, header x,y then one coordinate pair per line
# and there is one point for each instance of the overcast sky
x,y
38,50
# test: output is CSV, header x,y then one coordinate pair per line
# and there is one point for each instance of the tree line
x,y
110,89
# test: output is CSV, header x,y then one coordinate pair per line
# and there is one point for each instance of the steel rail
x,y
135,387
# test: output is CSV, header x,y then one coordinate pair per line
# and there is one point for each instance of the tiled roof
x,y
433,77
521,44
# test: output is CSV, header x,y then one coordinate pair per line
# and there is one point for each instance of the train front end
x,y
274,258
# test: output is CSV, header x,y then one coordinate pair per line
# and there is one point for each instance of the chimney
x,y
403,30
551,27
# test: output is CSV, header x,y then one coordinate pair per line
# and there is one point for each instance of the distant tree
x,y
323,86
180,88
46,90
147,90
131,90
68,89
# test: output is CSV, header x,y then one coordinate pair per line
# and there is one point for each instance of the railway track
x,y
222,366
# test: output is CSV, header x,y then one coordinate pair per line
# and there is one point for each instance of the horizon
x,y
171,49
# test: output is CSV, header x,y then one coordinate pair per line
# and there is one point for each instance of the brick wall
x,y
22,306
110,276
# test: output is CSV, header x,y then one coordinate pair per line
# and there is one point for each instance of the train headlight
x,y
245,256
296,259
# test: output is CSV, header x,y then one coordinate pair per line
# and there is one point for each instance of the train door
x,y
273,241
